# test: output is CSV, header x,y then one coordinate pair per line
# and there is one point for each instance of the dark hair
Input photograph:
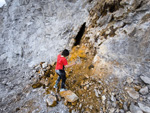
x,y
65,52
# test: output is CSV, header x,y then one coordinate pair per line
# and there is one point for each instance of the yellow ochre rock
x,y
69,96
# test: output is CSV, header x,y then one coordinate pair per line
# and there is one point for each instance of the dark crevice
x,y
79,35
140,5
110,7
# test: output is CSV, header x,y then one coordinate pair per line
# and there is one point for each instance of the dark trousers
x,y
62,75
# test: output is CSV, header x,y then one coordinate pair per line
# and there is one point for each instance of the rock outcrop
x,y
109,37
34,31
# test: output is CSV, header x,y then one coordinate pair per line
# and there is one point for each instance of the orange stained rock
x,y
75,52
69,95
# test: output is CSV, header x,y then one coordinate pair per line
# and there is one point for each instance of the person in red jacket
x,y
60,68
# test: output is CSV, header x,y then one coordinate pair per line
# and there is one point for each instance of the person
x,y
60,68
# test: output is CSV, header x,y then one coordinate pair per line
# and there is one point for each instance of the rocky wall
x,y
34,31
113,75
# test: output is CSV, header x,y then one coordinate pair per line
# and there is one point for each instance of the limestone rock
x,y
80,106
132,93
135,109
145,79
103,99
37,68
144,90
111,110
69,96
96,93
113,98
51,101
129,80
44,65
144,108
86,75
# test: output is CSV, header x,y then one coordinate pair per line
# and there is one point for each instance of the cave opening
x,y
80,34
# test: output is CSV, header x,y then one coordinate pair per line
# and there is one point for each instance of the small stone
x,y
33,71
144,90
69,96
137,88
85,87
111,110
129,80
148,98
37,68
80,106
91,107
145,79
74,103
44,65
144,107
41,72
103,99
117,111
125,106
86,75
121,111
51,101
132,93
36,85
141,98
96,93
114,104
46,82
48,67
42,81
113,98
65,102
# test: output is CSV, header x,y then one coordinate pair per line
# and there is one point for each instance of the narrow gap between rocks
x,y
79,35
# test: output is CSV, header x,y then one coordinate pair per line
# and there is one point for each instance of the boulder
x,y
51,101
145,79
69,96
132,93
144,90
129,80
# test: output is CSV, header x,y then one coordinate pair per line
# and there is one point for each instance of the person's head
x,y
65,53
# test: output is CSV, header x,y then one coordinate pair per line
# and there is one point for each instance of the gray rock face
x,y
33,31
125,42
